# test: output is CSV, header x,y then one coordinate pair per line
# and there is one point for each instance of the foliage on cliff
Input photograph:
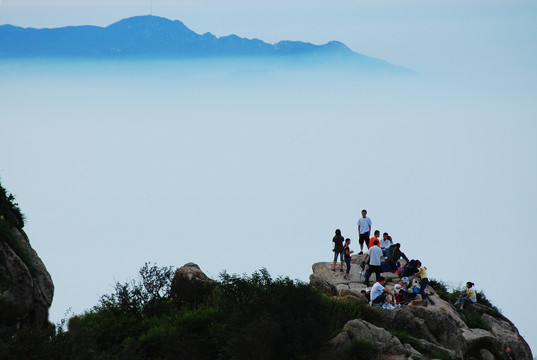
x,y
240,317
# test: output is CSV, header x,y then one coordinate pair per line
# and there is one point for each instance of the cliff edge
x,y
431,329
26,288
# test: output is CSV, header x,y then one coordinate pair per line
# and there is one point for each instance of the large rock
x,y
428,324
190,285
26,286
434,327
479,339
508,334
362,330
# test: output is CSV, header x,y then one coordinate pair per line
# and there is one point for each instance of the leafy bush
x,y
9,209
361,349
276,318
474,319
441,288
405,338
11,217
242,317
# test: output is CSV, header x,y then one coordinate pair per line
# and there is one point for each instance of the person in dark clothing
x,y
410,269
394,254
347,251
338,250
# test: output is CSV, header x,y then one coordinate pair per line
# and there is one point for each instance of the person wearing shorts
x,y
364,230
338,250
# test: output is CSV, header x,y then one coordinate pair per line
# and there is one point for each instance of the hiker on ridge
x,y
470,296
375,253
379,294
394,254
424,280
347,250
364,230
376,236
385,244
338,250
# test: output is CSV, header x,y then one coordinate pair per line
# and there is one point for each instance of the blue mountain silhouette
x,y
157,37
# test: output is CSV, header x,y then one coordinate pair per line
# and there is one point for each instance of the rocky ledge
x,y
432,329
26,288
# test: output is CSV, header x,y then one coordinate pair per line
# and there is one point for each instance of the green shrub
x,y
276,318
361,349
12,217
405,338
9,209
440,288
474,319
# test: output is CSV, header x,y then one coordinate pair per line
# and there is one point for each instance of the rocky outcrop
x,y
436,330
360,329
190,284
26,288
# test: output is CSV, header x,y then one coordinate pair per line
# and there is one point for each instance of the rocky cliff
x,y
26,288
425,330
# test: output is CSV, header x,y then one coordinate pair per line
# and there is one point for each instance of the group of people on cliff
x,y
381,256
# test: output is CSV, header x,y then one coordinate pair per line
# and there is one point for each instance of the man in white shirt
x,y
364,230
379,292
375,253
385,244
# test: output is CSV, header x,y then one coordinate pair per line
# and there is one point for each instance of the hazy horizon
x,y
241,165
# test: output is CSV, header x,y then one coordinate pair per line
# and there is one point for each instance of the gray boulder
x,y
191,285
435,326
26,285
362,330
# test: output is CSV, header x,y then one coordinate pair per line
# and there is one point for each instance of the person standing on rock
x,y
364,230
424,280
375,253
347,250
338,250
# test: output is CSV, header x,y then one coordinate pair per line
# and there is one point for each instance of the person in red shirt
x,y
375,237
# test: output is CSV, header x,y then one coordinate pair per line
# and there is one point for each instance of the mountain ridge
x,y
149,36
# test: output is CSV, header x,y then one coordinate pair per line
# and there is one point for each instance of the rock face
x,y
26,288
436,330
190,284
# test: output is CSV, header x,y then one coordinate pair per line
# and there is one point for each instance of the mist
x,y
237,165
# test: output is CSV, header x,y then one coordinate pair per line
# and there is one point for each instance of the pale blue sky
x,y
148,164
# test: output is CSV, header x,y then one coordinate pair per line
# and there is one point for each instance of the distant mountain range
x,y
157,37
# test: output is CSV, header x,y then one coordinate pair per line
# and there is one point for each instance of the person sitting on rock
x,y
409,269
470,296
385,244
400,293
379,293
365,263
394,254
338,250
